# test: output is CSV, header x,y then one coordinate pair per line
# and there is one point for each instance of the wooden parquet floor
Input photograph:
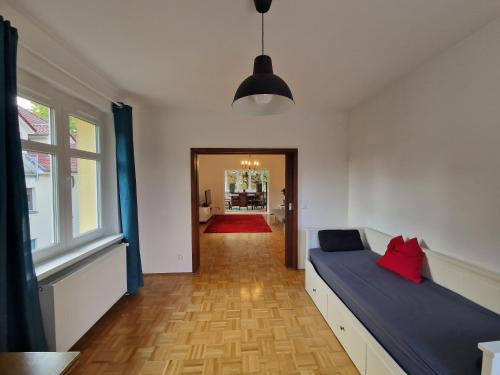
x,y
243,313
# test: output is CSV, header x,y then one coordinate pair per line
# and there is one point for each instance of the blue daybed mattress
x,y
426,328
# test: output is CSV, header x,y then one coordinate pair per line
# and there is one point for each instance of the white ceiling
x,y
194,53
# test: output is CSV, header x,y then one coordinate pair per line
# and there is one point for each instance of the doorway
x,y
290,197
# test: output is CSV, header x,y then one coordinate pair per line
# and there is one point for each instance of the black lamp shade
x,y
263,93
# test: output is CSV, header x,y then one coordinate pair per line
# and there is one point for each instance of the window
x,y
36,131
30,192
83,134
35,121
237,181
62,158
84,142
84,195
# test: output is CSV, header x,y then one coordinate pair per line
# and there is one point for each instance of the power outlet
x,y
180,257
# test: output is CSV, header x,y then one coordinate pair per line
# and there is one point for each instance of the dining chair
x,y
259,200
243,202
235,200
227,201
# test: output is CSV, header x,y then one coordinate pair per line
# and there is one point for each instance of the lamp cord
x,y
262,14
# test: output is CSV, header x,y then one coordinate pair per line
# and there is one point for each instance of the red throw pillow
x,y
406,260
391,246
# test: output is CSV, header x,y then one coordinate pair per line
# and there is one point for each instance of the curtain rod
x,y
70,75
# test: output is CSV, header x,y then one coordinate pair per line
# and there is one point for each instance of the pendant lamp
x,y
263,93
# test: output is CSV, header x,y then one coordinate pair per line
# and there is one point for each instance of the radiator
x,y
75,299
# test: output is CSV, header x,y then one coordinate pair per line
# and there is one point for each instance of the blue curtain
x,y
125,169
21,327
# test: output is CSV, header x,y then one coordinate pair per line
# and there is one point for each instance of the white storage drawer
x,y
348,331
335,307
354,344
316,288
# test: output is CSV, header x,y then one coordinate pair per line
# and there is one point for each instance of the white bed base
x,y
473,282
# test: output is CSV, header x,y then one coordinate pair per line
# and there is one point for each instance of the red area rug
x,y
238,224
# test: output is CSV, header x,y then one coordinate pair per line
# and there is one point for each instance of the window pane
x,y
39,172
244,181
231,179
35,121
84,193
265,179
254,181
82,135
31,203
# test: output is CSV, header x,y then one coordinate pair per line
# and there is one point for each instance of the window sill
x,y
49,267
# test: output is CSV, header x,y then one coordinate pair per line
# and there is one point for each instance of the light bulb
x,y
262,99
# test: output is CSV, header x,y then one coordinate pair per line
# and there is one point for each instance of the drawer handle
x,y
342,328
314,289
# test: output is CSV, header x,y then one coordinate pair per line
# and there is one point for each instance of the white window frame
x,y
63,106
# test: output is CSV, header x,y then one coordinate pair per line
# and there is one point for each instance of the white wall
x,y
162,149
163,138
425,155
211,170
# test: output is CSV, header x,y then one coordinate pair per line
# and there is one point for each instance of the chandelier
x,y
249,164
